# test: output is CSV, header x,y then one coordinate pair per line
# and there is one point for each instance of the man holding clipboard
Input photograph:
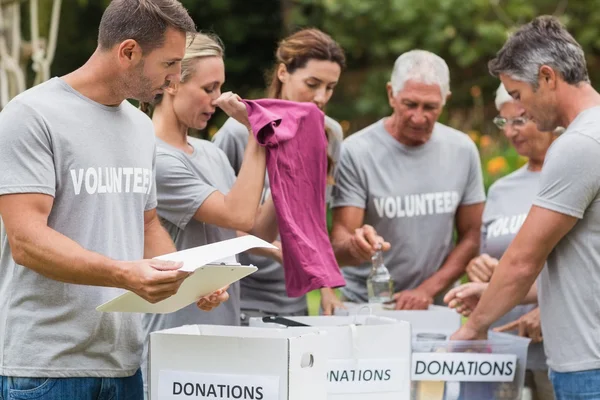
x,y
78,202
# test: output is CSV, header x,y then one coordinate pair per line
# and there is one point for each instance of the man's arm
x,y
346,220
532,295
44,250
518,268
568,185
468,227
37,246
353,243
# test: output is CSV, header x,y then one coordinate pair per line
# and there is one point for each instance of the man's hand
x,y
415,299
529,326
467,333
481,268
330,301
214,300
464,298
365,242
153,280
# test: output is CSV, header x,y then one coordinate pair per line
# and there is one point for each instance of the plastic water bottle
x,y
380,286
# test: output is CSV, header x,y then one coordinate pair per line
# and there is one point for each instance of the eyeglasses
x,y
502,122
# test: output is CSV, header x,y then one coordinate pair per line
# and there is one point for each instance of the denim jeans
x,y
12,388
583,385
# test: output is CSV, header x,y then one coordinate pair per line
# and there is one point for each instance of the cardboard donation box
x,y
368,356
225,362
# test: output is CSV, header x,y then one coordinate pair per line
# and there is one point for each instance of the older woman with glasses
x,y
509,201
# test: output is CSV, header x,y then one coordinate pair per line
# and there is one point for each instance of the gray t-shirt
x,y
97,162
508,203
410,196
569,301
265,289
183,182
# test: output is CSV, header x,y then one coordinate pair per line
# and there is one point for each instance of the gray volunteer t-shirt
x,y
97,162
569,301
410,196
265,289
508,203
183,182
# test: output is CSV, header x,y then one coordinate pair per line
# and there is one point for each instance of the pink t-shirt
x,y
294,135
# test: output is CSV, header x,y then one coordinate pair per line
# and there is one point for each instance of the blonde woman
x,y
199,199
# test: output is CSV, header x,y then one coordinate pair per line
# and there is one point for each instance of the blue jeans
x,y
12,388
584,385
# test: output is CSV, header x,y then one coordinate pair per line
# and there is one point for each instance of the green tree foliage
x,y
373,33
467,34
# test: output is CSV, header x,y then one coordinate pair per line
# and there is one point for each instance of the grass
x,y
314,301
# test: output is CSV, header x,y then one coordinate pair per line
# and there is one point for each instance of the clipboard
x,y
204,281
207,276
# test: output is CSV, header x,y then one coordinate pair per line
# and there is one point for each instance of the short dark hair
x,y
543,41
144,21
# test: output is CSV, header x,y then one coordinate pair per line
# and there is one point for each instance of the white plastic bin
x,y
435,319
439,320
492,369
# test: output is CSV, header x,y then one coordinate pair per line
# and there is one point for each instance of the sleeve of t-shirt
x,y
228,170
264,120
232,144
474,192
349,190
180,193
26,152
569,181
152,201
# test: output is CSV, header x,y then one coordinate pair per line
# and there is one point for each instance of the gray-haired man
x,y
410,180
544,67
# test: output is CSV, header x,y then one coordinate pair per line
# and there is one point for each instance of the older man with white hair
x,y
405,183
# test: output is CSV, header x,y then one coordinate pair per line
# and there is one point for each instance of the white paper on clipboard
x,y
207,276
